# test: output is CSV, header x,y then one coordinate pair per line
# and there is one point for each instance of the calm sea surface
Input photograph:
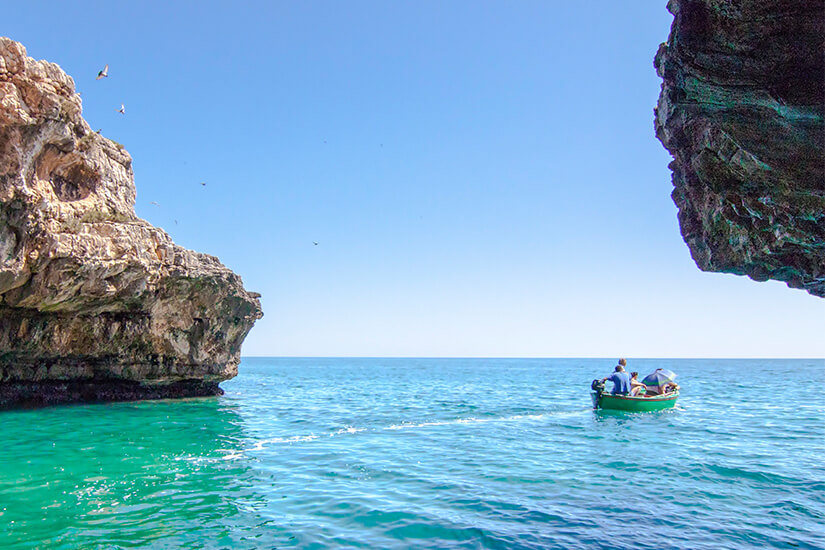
x,y
428,453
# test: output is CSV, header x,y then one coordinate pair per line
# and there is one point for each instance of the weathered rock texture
x,y
95,303
741,111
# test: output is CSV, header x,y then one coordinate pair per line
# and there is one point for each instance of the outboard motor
x,y
597,386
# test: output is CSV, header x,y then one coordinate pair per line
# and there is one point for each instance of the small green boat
x,y
634,403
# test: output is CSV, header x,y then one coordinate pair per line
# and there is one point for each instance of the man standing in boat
x,y
620,379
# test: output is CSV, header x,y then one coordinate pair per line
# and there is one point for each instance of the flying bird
x,y
315,243
104,73
99,130
203,183
122,109
156,204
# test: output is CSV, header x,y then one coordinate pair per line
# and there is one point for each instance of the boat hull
x,y
634,404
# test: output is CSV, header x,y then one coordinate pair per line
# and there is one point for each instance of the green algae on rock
x,y
95,303
742,111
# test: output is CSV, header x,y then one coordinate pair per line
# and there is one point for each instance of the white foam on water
x,y
470,420
349,430
264,443
419,425
232,455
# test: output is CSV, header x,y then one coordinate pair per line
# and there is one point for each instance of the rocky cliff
x,y
741,111
95,303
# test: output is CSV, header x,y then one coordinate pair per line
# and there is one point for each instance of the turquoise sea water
x,y
428,453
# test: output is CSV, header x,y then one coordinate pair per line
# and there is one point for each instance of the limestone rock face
x,y
741,111
96,303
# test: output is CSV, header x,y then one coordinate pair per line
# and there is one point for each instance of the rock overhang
x,y
742,111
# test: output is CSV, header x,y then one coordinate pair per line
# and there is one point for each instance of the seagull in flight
x,y
104,73
315,243
122,109
156,204
203,183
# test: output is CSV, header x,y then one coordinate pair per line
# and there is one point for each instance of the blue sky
x,y
482,177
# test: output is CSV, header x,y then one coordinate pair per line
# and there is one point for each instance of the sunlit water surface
x,y
428,453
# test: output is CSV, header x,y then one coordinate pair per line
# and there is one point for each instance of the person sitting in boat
x,y
671,387
659,382
620,379
636,387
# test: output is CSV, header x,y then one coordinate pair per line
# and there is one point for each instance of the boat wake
x,y
470,420
263,444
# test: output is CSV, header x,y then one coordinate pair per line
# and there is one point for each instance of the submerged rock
x,y
741,111
95,303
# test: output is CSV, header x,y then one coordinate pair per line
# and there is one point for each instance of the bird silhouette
x,y
104,73
156,204
203,183
315,243
122,109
